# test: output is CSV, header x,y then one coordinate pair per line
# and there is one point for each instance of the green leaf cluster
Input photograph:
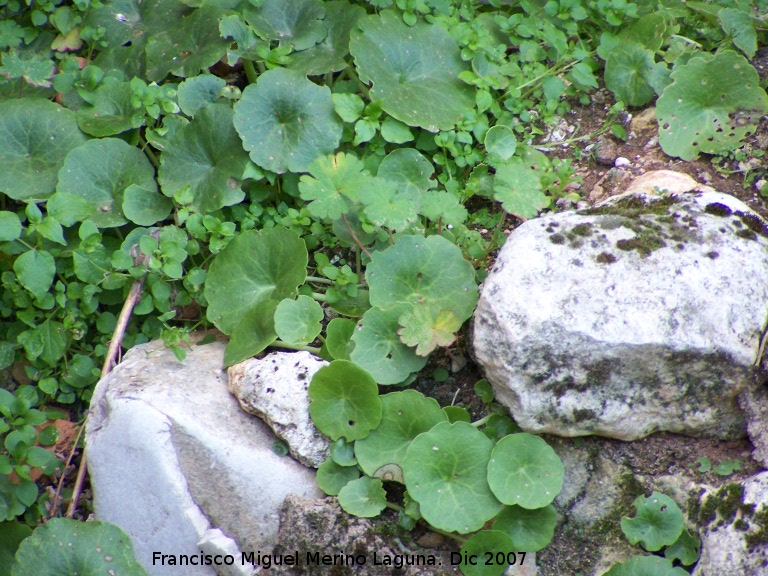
x,y
458,476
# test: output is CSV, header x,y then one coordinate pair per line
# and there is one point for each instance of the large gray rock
x,y
177,464
644,313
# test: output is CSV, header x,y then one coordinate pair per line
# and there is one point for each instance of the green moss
x,y
605,258
725,506
557,239
717,209
760,536
582,230
754,223
634,206
746,234
645,243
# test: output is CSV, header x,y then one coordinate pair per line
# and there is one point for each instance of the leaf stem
x,y
250,71
354,236
319,297
483,420
319,280
299,347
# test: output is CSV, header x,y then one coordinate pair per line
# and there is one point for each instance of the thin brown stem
x,y
354,236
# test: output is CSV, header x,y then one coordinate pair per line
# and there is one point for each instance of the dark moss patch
x,y
724,506
582,230
754,223
634,206
717,209
746,234
759,538
643,243
712,254
582,414
605,258
557,239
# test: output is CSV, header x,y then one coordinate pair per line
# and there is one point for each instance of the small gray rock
x,y
275,389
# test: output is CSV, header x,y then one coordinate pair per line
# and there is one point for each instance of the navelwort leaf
x,y
297,23
37,135
404,416
482,544
255,266
445,471
298,321
65,546
518,188
658,523
414,70
364,497
645,566
253,333
344,401
530,530
526,471
711,105
333,186
207,156
331,477
286,121
95,177
338,335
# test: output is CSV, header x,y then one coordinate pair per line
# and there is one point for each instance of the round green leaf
x,y
298,23
626,70
500,547
457,414
145,207
518,188
711,105
343,452
207,156
379,350
338,336
37,135
253,333
658,522
98,172
344,401
395,132
364,497
404,415
11,535
445,471
196,93
286,121
298,321
525,470
500,141
35,270
645,566
10,226
414,70
409,168
255,266
65,546
331,477
686,548
328,55
530,530
416,270
111,111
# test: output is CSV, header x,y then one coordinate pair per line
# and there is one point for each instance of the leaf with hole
x,y
206,155
97,174
286,121
298,321
37,135
713,103
530,530
64,546
526,471
255,266
364,497
414,70
658,522
404,415
445,471
344,401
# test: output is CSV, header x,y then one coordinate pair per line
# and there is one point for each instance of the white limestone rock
x,y
736,541
172,457
275,389
642,314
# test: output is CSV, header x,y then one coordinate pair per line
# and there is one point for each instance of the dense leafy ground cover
x,y
263,166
